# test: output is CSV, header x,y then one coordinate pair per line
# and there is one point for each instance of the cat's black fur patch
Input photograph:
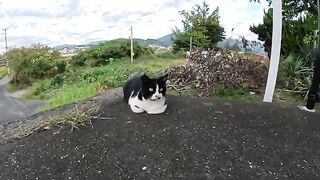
x,y
140,85
134,85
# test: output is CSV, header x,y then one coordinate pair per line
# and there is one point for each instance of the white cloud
x,y
80,21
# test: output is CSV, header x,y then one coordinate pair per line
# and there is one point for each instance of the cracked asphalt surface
x,y
194,139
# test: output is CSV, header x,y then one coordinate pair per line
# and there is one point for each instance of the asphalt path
x,y
196,138
14,108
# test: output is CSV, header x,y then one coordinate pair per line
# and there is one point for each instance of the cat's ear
x,y
145,78
164,77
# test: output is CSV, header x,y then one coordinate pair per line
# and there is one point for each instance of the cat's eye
x,y
161,89
150,89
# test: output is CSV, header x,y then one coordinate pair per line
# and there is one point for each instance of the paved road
x,y
13,108
194,139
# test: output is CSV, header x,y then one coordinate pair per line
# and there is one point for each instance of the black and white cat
x,y
144,94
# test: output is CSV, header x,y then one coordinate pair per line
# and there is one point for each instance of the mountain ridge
x,y
165,41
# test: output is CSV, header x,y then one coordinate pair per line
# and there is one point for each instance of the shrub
x,y
61,66
33,63
170,55
3,71
296,73
57,80
103,53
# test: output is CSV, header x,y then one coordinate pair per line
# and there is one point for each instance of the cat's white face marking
x,y
157,95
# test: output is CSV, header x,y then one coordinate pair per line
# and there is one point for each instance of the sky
x,y
55,22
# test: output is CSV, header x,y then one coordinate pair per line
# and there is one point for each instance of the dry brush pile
x,y
205,71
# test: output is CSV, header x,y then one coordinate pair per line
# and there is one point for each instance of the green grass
x,y
288,97
80,83
222,92
70,93
280,96
3,71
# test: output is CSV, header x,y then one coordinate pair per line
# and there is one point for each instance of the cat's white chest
x,y
149,106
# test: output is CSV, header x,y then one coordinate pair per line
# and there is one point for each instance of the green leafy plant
x,y
104,53
3,71
29,64
297,74
298,29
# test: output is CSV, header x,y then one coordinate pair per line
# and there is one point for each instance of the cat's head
x,y
153,89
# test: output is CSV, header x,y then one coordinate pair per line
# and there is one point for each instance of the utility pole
x,y
5,38
318,24
6,41
131,46
190,44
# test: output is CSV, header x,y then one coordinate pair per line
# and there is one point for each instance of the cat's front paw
x,y
136,109
158,111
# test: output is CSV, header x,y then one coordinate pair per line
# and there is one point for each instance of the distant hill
x,y
252,46
95,42
163,41
166,41
63,46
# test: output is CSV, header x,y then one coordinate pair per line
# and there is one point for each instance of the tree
x,y
299,5
264,31
200,24
103,53
29,64
245,43
299,25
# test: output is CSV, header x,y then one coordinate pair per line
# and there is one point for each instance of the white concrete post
x,y
275,50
